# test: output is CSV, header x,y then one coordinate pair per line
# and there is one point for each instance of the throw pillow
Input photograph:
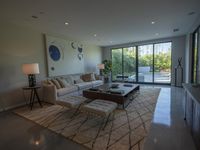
x,y
62,82
69,79
86,77
78,81
93,77
56,83
50,82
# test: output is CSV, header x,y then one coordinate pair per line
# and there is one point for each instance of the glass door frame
x,y
137,62
196,31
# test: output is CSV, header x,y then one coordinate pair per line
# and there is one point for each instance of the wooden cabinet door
x,y
189,108
196,124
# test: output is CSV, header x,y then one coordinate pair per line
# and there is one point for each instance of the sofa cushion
x,y
97,82
84,85
66,90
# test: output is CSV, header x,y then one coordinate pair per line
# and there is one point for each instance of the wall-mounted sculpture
x,y
79,48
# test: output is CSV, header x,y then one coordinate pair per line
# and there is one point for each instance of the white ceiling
x,y
119,21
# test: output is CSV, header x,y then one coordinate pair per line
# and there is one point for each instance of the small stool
x,y
101,108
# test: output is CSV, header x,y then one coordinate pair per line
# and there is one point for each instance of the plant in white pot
x,y
107,70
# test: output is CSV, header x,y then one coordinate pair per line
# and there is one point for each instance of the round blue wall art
x,y
54,52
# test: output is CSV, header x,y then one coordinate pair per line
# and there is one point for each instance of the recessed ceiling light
x,y
66,23
153,22
95,35
157,34
35,17
191,13
176,29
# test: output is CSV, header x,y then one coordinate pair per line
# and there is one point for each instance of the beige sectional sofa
x,y
58,87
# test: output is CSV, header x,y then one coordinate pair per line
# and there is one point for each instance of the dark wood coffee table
x,y
105,92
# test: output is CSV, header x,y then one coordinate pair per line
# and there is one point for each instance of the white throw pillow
x,y
63,82
78,81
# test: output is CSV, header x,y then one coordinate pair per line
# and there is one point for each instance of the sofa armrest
x,y
49,93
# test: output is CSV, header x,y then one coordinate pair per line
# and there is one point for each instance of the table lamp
x,y
101,67
31,70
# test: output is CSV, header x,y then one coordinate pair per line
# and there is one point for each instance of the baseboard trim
x,y
12,107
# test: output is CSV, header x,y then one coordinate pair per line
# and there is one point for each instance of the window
x,y
124,64
145,63
116,63
162,63
196,57
129,64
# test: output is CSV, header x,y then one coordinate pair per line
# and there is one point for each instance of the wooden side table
x,y
33,94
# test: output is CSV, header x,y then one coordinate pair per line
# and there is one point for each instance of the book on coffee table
x,y
114,85
116,91
128,85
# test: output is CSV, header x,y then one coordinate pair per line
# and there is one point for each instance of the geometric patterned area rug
x,y
126,130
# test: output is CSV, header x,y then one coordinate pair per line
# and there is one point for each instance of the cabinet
x,y
192,111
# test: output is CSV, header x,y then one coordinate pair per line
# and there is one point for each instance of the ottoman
x,y
100,107
73,102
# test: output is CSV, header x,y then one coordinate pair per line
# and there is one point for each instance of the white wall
x,y
24,45
178,50
188,58
92,57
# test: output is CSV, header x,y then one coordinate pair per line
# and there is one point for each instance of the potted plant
x,y
107,69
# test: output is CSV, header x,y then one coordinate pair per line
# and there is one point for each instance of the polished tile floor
x,y
168,130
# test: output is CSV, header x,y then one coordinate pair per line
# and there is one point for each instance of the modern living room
x,y
100,75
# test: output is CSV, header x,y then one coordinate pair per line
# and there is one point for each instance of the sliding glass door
x,y
116,63
129,64
162,63
144,64
124,64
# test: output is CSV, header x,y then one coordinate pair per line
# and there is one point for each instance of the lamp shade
x,y
30,68
101,66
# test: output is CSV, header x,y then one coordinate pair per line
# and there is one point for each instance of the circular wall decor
x,y
54,53
80,56
80,49
74,45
